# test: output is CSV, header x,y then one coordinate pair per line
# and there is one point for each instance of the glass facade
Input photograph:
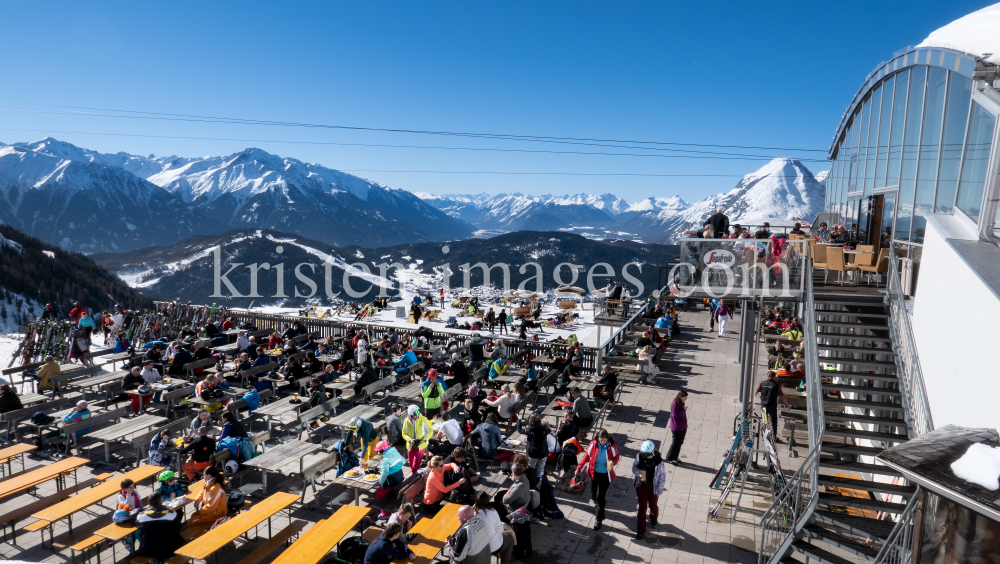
x,y
913,142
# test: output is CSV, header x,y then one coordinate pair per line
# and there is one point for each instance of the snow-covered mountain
x,y
86,201
70,196
821,177
783,188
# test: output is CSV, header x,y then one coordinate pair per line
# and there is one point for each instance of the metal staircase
x,y
847,507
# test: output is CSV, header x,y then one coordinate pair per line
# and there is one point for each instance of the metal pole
x,y
600,357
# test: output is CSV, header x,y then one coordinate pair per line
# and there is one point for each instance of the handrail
x,y
898,547
616,337
792,509
911,379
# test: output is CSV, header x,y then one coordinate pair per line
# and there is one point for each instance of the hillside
x,y
33,273
185,270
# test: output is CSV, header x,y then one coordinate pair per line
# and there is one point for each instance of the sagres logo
x,y
719,258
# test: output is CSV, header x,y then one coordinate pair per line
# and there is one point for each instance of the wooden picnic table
x,y
343,421
432,534
28,480
18,450
329,358
276,409
30,398
215,539
118,531
127,427
228,394
410,391
277,457
341,387
65,509
96,381
320,539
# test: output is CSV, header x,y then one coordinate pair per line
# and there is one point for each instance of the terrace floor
x,y
701,363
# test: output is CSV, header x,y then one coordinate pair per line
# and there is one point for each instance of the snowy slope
x,y
821,177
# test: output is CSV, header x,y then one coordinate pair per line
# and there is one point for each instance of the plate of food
x,y
353,473
370,478
513,442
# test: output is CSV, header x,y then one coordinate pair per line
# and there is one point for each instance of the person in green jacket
x,y
432,390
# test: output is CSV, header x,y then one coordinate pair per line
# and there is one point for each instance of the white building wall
x,y
956,325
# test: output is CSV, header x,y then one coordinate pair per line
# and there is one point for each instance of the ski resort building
x,y
902,395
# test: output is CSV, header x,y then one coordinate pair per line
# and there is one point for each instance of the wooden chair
x,y
835,263
819,256
879,267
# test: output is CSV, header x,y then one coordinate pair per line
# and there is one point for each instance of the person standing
x,y
714,305
719,222
650,477
502,320
417,432
720,313
770,391
599,463
678,427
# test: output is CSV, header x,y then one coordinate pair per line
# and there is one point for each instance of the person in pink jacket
x,y
599,463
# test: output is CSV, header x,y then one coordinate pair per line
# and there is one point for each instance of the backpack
x,y
220,521
231,444
353,549
252,399
41,418
211,393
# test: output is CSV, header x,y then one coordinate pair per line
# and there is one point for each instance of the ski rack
x,y
751,439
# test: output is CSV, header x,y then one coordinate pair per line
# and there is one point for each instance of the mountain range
x,y
87,201
782,190
186,270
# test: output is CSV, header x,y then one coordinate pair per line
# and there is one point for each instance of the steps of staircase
x,y
866,419
861,503
849,324
866,526
877,487
844,448
855,350
888,365
842,402
869,435
816,553
858,467
855,388
859,375
850,337
829,535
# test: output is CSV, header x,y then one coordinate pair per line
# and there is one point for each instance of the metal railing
x,y
790,511
620,334
898,548
794,506
917,411
376,332
610,310
741,268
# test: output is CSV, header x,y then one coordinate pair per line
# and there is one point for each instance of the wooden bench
x,y
58,380
203,363
124,429
13,419
370,390
307,478
262,369
433,534
316,543
94,422
270,545
10,518
217,538
173,397
307,418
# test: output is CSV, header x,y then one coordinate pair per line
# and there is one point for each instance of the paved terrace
x,y
699,362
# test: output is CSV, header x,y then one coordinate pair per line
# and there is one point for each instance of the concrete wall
x,y
956,324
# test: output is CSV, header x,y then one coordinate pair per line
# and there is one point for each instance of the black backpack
x,y
353,550
212,393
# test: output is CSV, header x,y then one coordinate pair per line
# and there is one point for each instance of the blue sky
x,y
776,74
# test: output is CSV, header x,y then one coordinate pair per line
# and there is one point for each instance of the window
x,y
956,115
873,134
895,151
978,143
930,144
911,146
857,153
885,123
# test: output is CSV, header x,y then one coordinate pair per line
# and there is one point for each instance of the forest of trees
x,y
28,273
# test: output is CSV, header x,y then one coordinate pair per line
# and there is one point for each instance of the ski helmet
x,y
647,447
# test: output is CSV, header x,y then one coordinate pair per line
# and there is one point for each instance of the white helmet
x,y
231,467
